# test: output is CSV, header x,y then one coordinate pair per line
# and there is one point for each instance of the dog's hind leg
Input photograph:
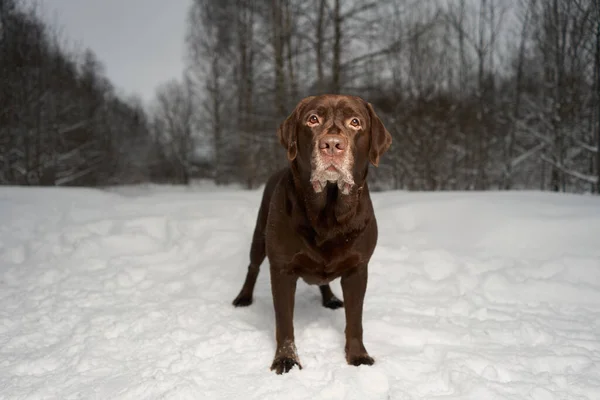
x,y
257,255
258,250
329,299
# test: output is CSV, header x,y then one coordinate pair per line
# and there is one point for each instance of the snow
x,y
126,294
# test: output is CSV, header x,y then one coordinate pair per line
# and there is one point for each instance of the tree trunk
x,y
245,37
319,47
336,85
511,139
278,48
290,55
481,157
216,117
597,94
555,176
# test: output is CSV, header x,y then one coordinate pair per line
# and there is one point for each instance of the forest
x,y
477,94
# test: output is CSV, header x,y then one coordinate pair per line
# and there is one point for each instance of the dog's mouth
x,y
331,173
332,168
344,187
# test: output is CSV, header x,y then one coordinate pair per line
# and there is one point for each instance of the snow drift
x,y
127,295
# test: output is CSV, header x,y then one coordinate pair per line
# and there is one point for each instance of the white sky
x,y
140,42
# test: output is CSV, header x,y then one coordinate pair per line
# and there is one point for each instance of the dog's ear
x,y
288,130
287,134
381,139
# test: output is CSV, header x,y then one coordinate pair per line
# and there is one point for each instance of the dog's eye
x,y
313,119
355,122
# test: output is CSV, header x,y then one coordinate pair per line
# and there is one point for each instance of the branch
x,y
72,177
72,127
588,147
525,155
358,9
574,174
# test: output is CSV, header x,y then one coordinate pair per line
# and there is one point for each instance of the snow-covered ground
x,y
127,295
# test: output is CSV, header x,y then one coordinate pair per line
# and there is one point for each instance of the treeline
x,y
61,121
485,94
478,94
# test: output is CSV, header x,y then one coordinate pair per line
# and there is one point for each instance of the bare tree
x,y
174,127
209,43
319,45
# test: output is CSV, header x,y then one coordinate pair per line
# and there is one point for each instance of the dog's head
x,y
332,138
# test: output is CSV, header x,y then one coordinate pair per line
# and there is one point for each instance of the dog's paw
x,y
334,303
363,359
283,365
242,301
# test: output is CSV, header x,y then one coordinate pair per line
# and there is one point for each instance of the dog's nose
x,y
332,145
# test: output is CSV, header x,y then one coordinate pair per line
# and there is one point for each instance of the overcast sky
x,y
140,42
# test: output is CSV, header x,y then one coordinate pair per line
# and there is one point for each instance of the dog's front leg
x,y
354,286
283,287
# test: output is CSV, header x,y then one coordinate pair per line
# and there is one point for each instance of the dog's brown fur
x,y
308,228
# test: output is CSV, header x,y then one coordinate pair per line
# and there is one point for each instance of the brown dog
x,y
316,220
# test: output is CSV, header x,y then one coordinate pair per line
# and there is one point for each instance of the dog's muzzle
x,y
332,162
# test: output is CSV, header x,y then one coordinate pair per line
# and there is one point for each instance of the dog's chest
x,y
317,270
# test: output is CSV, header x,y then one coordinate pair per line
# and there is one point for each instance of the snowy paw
x,y
362,359
282,365
333,303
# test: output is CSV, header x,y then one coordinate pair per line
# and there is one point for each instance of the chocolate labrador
x,y
316,219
